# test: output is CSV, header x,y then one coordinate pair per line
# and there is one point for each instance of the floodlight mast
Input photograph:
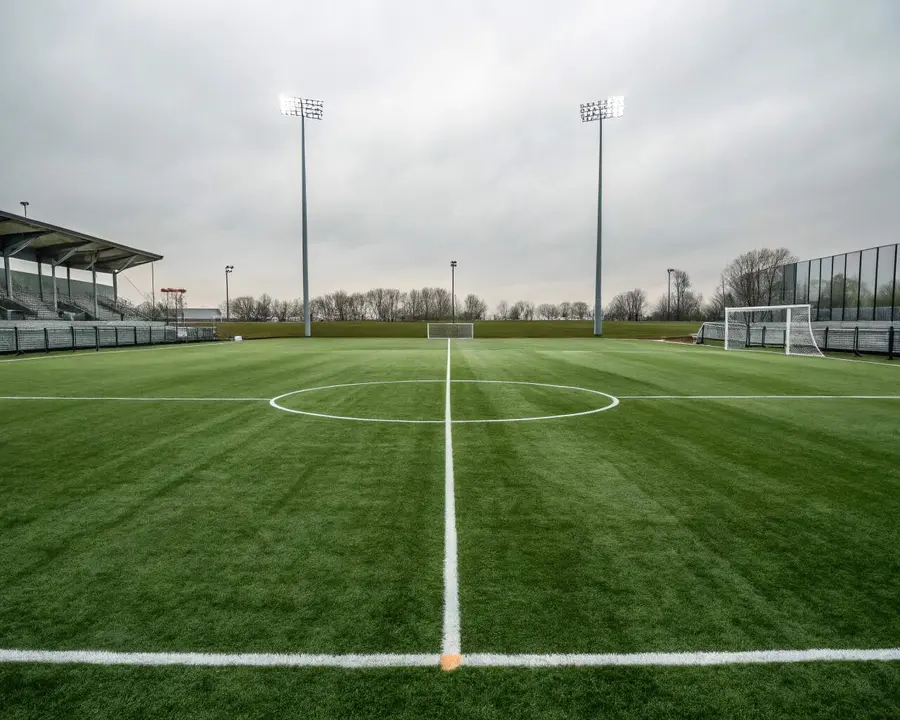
x,y
453,288
601,110
312,109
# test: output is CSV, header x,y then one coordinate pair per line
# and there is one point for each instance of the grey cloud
x,y
451,131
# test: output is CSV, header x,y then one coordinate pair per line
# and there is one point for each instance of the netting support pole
x,y
97,337
46,339
726,328
72,328
787,333
856,342
891,343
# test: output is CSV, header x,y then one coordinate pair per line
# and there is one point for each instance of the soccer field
x,y
575,527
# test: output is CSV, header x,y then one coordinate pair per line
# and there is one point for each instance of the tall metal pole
x,y
25,204
598,307
669,295
228,269
453,288
152,290
305,249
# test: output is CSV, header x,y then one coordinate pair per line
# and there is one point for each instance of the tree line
x,y
391,305
753,278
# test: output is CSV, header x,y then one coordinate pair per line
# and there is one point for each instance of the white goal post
x,y
456,331
774,326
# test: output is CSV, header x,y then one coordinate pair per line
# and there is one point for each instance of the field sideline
x,y
580,527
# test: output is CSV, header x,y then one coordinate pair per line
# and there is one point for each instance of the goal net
x,y
766,326
456,331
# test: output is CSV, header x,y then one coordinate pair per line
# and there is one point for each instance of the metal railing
x,y
26,337
859,339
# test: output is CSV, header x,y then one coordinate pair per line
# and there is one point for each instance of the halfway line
x,y
759,397
682,658
135,399
450,649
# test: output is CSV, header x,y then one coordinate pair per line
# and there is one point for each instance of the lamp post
x,y
601,110
312,109
669,294
25,204
228,270
453,287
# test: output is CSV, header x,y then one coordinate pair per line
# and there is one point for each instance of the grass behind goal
x,y
660,525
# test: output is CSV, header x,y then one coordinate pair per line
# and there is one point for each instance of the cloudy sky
x,y
452,131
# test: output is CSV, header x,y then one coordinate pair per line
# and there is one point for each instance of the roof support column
x,y
69,281
94,283
40,278
115,286
7,273
55,293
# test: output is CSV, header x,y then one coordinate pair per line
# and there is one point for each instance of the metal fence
x,y
59,336
862,285
858,339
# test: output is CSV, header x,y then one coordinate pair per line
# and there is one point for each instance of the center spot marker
x,y
612,402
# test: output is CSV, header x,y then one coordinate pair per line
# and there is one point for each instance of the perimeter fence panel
x,y
43,337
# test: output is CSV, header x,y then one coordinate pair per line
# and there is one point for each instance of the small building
x,y
195,315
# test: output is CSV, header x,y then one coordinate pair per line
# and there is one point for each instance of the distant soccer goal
x,y
455,331
775,326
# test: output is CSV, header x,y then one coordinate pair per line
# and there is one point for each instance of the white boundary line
x,y
451,644
91,352
103,657
685,658
135,399
759,397
768,353
483,660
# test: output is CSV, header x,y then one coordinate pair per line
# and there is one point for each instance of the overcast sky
x,y
452,131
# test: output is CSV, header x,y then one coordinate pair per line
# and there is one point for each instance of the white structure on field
x,y
455,331
778,326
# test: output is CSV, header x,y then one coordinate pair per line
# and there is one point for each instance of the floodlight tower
x,y
228,270
601,110
669,294
453,287
312,109
25,204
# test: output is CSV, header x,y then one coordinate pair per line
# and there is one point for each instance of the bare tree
x,y
502,311
281,309
243,308
629,306
754,277
474,308
547,311
581,310
565,310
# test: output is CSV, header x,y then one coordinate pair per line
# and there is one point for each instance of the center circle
x,y
612,402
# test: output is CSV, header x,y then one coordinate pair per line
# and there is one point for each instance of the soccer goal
x,y
774,326
456,331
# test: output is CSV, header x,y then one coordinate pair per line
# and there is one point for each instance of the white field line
x,y
758,657
102,657
451,637
759,397
134,399
90,352
388,660
768,353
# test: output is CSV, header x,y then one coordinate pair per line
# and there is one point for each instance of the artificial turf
x,y
656,525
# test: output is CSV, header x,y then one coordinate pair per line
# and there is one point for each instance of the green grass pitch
x,y
729,502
